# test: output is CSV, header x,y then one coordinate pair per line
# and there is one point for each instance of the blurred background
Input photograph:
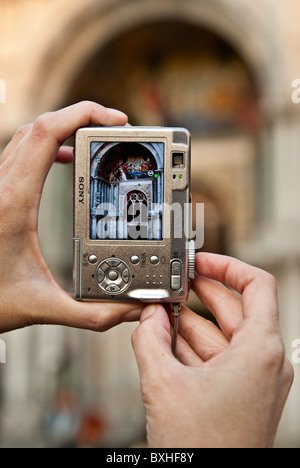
x,y
223,69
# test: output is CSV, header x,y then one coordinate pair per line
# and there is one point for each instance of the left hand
x,y
28,292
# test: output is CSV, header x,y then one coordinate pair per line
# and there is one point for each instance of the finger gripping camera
x,y
132,214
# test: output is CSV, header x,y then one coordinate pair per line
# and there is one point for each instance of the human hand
x,y
28,292
229,385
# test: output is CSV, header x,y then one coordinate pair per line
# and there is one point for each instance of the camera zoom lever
x,y
191,260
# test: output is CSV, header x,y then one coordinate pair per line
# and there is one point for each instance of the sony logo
x,y
81,190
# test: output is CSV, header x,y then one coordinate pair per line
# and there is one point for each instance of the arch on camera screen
x,y
127,190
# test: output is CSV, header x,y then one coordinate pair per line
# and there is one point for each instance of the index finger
x,y
49,131
257,287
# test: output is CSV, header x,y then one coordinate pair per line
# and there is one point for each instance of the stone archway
x,y
172,73
94,30
158,80
95,27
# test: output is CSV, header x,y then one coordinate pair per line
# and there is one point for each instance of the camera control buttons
x,y
100,275
126,275
175,282
113,276
93,259
113,262
154,260
112,288
135,259
176,268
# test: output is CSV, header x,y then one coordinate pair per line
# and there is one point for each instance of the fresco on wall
x,y
174,74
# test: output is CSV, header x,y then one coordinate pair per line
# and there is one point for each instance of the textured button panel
x,y
113,276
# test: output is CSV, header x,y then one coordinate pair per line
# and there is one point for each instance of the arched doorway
x,y
175,73
124,176
137,215
170,73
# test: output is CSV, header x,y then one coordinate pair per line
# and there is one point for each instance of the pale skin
x,y
228,385
29,293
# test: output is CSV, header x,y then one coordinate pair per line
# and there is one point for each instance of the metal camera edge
x,y
132,214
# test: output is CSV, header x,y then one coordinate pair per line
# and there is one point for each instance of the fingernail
x,y
148,311
118,113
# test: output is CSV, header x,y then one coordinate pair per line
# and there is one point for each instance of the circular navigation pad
x,y
113,276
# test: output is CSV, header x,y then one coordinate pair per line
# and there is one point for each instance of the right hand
x,y
229,385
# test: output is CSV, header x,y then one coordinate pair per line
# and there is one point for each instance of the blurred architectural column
x,y
275,244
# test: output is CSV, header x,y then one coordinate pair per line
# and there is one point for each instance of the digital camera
x,y
132,214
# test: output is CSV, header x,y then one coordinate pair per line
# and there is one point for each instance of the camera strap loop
x,y
176,313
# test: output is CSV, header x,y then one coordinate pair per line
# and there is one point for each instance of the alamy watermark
x,y
140,222
296,93
296,353
2,352
2,92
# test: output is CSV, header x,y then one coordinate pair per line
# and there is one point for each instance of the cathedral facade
x,y
223,69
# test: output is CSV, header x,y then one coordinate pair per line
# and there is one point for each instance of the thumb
x,y
151,341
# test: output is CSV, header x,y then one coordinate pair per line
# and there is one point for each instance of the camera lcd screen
x,y
126,191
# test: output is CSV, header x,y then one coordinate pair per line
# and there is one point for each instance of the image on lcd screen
x,y
127,190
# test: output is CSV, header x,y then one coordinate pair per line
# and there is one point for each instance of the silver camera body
x,y
132,214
